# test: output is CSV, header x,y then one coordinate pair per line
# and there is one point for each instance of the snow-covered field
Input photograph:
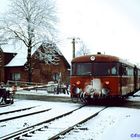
x,y
17,124
113,123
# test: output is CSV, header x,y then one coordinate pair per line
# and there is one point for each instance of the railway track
x,y
4,105
17,110
4,118
55,127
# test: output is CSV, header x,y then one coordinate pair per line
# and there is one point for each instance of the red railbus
x,y
102,76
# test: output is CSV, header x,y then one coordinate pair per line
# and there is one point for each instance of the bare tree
x,y
31,21
83,50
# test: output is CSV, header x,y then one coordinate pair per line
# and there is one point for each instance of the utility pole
x,y
73,44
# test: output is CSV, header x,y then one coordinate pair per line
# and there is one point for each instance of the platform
x,y
42,95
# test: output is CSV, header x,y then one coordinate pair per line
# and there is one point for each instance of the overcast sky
x,y
109,26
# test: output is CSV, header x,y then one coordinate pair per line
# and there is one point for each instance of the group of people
x,y
61,88
6,96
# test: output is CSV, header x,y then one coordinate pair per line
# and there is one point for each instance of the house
x,y
13,66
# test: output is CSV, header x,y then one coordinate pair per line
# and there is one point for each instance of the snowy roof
x,y
20,59
21,54
20,51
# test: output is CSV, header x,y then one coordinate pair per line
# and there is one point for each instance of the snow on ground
x,y
41,92
114,123
135,97
123,125
126,124
137,93
57,109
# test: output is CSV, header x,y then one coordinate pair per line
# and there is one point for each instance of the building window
x,y
56,77
16,76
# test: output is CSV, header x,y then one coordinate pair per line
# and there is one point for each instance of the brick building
x,y
13,67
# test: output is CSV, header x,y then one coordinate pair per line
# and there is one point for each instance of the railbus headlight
x,y
78,82
75,89
105,91
107,82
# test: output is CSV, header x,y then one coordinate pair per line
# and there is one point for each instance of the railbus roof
x,y
100,58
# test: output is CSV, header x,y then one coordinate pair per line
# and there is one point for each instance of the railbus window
x,y
114,68
130,71
101,69
73,71
127,70
82,69
95,69
105,69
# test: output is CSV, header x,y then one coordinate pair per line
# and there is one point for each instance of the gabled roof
x,y
18,60
20,57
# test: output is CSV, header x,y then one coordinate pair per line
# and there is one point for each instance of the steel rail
x,y
17,110
72,127
18,134
4,105
24,115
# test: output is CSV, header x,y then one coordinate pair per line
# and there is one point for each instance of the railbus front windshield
x,y
95,69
